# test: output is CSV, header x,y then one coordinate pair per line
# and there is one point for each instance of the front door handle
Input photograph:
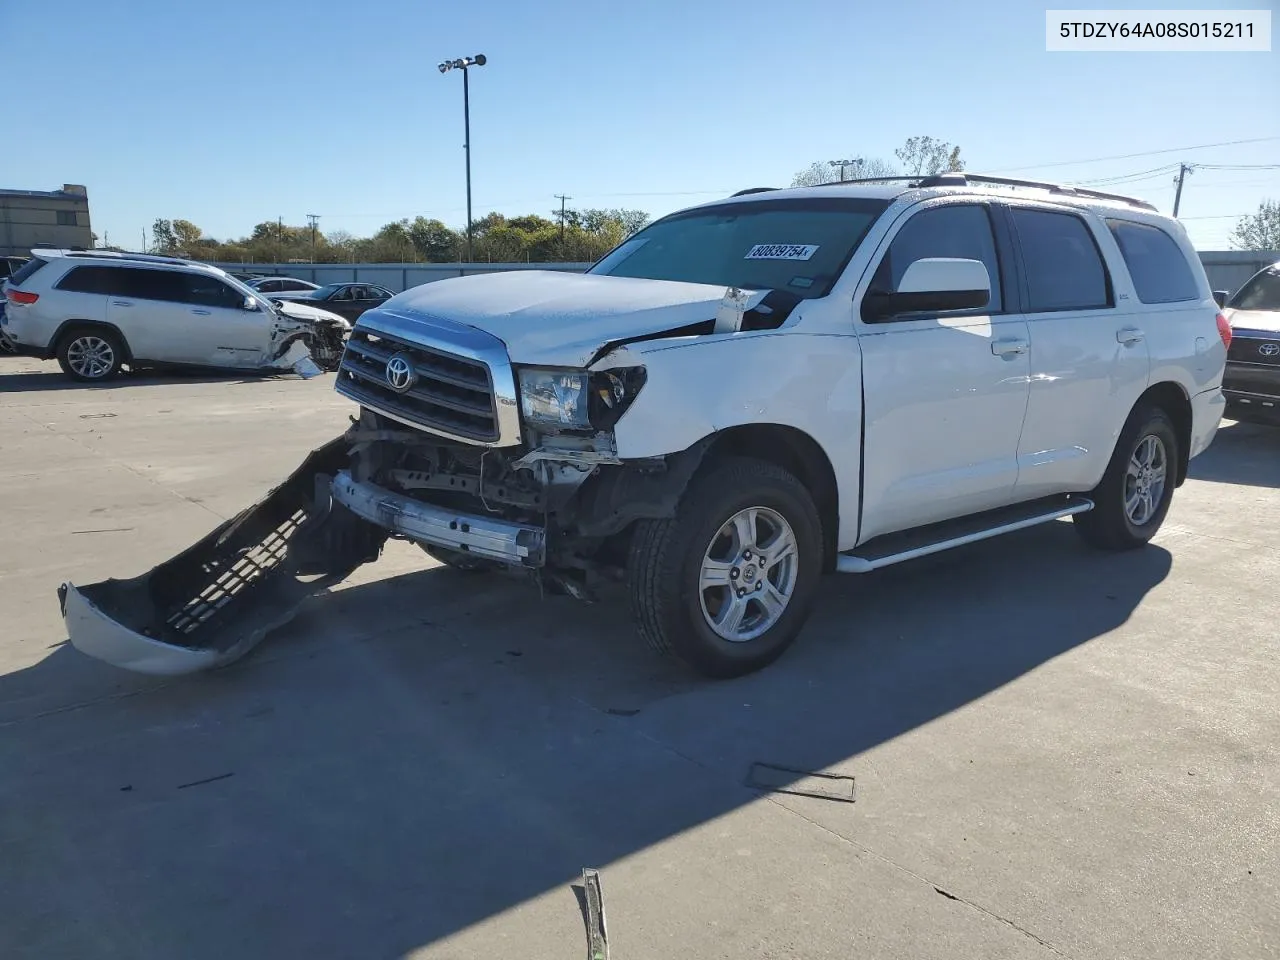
x,y
203,313
1129,336
122,303
1009,348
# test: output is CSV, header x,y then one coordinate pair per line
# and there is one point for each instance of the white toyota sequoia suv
x,y
740,398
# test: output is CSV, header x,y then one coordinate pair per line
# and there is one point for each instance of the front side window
x,y
330,291
954,231
208,291
801,246
1155,262
1262,292
1063,266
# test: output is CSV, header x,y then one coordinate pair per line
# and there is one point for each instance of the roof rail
x,y
961,179
743,193
126,255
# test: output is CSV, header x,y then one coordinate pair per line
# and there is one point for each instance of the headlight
x,y
555,398
578,399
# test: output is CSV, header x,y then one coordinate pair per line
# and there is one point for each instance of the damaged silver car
x,y
98,312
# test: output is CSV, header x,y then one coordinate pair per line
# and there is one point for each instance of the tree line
x,y
576,236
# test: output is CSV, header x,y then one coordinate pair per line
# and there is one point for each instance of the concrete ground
x,y
1056,752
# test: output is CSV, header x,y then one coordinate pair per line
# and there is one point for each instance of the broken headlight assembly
x,y
556,400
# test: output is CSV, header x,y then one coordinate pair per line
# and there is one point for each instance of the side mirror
x,y
251,303
932,285
1221,297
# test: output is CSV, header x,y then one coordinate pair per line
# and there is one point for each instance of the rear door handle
x,y
1009,348
203,313
1129,336
122,303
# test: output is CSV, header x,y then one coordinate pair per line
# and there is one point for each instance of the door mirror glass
x,y
932,285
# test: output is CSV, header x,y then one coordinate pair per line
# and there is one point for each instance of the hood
x,y
560,319
304,311
1254,319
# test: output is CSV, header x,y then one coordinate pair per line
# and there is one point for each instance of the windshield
x,y
323,293
1260,293
796,245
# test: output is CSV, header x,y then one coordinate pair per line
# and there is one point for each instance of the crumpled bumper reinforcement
x,y
502,540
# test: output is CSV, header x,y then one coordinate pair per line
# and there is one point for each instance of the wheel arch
x,y
67,326
799,454
1172,398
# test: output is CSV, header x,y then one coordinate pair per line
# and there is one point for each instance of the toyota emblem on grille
x,y
400,373
1269,349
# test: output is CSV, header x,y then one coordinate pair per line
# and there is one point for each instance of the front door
x,y
945,395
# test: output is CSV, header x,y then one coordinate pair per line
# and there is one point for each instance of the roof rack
x,y
125,255
961,179
743,193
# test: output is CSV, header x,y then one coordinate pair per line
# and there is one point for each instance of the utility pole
x,y
562,198
1183,170
144,239
315,219
279,239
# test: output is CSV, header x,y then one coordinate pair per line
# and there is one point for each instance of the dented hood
x,y
554,318
303,311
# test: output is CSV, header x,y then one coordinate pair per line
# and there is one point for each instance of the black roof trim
x,y
749,190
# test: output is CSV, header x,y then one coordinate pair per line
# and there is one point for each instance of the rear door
x,y
945,395
1089,355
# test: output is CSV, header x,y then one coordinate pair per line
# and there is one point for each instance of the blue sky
x,y
232,113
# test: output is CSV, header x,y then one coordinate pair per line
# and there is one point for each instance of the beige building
x,y
55,218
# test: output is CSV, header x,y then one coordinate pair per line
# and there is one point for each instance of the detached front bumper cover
x,y
215,601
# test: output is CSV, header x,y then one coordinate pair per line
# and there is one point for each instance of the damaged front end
x,y
215,601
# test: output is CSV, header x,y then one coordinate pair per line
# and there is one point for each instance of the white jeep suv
x,y
96,311
740,398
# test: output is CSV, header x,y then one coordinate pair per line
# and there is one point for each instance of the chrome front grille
x,y
450,394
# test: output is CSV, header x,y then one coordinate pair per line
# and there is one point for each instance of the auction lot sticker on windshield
x,y
781,251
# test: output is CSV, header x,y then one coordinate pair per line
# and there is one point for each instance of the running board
x,y
909,544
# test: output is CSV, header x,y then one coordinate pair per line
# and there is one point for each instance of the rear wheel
x,y
90,354
1134,496
728,583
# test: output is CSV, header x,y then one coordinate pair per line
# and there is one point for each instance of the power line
x,y
1131,156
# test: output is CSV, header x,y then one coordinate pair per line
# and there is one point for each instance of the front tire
x,y
90,354
728,583
1134,496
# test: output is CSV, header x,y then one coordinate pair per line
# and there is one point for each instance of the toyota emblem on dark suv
x,y
1269,349
400,373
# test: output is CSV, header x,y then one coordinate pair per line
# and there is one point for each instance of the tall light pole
x,y
462,64
315,219
844,163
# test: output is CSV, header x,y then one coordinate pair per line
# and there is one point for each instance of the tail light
x,y
21,296
1224,330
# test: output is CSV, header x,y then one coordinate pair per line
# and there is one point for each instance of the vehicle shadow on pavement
x,y
33,381
415,754
1241,453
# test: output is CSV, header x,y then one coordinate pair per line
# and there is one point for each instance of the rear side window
x,y
105,280
1156,264
152,284
1063,266
24,272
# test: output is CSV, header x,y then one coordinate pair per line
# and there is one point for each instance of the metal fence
x,y
1227,269
394,276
